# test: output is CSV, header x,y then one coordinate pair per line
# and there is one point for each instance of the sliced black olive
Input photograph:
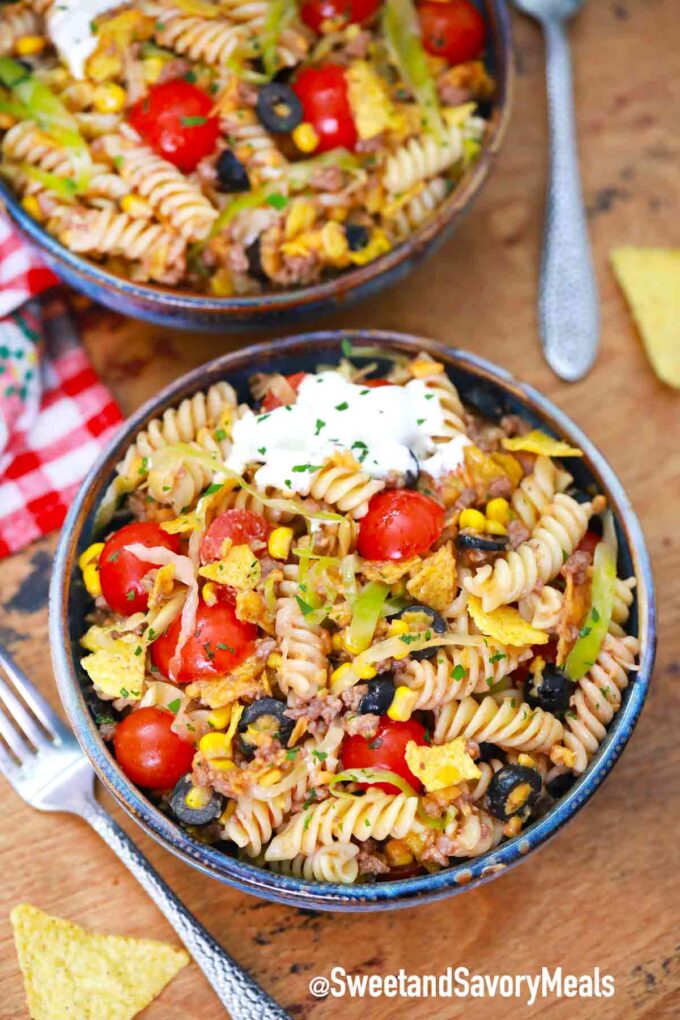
x,y
379,696
253,254
488,751
232,176
513,790
552,691
413,473
436,623
466,540
206,812
357,236
264,716
580,495
558,786
486,402
278,108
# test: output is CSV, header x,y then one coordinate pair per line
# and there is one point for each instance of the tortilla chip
x,y
650,281
505,625
71,972
441,766
540,442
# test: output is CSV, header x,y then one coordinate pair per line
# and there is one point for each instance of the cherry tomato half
x,y
384,751
219,644
270,401
121,573
454,30
243,527
399,523
174,119
375,384
340,12
149,752
325,104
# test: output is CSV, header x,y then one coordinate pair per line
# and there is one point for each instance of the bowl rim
x,y
278,302
249,877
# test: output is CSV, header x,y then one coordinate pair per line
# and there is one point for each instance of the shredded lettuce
x,y
591,637
366,611
369,776
279,14
401,30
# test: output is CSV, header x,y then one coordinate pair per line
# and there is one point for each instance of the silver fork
x,y
44,763
568,311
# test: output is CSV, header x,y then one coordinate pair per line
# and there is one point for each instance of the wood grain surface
x,y
605,892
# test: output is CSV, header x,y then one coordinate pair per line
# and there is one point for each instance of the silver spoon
x,y
568,312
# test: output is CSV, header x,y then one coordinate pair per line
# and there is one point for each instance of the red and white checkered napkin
x,y
54,413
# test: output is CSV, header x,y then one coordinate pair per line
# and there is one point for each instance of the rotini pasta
x,y
189,126
294,596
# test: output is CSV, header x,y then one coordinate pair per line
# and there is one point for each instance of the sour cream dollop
x,y
69,25
382,428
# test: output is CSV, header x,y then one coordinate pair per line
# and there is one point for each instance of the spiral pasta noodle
x,y
459,673
349,489
422,205
213,41
334,863
557,533
304,650
254,146
376,815
423,157
536,491
509,723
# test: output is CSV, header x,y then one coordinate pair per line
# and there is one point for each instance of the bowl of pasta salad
x,y
215,163
352,620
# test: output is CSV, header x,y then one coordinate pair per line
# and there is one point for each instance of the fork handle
x,y
568,304
235,989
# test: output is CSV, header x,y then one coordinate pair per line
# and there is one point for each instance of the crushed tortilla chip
x,y
163,585
252,608
510,465
540,442
71,972
243,682
389,571
572,615
650,281
480,471
506,625
116,664
442,765
370,102
433,583
240,569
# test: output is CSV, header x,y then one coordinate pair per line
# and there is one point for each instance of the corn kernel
x,y
222,764
397,853
31,205
336,642
526,760
92,581
219,718
378,245
495,528
338,673
152,68
271,778
136,206
213,743
228,812
402,653
367,671
334,243
91,554
300,217
108,97
209,593
498,510
512,826
274,660
104,66
397,628
221,283
403,703
338,213
470,518
198,797
279,543
30,44
305,137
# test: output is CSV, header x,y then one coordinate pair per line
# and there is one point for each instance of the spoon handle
x,y
567,306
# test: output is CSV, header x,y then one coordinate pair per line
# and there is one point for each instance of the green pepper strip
x,y
369,776
400,27
366,611
50,114
279,14
587,648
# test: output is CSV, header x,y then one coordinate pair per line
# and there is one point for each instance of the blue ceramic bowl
x,y
477,380
185,309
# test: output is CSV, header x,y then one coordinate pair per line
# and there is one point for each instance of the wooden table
x,y
602,893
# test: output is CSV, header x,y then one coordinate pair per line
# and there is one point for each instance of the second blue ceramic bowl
x,y
477,380
185,309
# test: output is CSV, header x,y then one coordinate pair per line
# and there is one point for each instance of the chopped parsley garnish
x,y
321,755
420,421
129,595
342,407
192,121
346,348
190,76
458,672
291,753
175,705
124,692
215,487
594,615
223,647
305,607
429,396
584,631
277,201
310,799
263,417
299,468
220,434
320,424
262,450
138,650
375,744
113,558
497,656
209,654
